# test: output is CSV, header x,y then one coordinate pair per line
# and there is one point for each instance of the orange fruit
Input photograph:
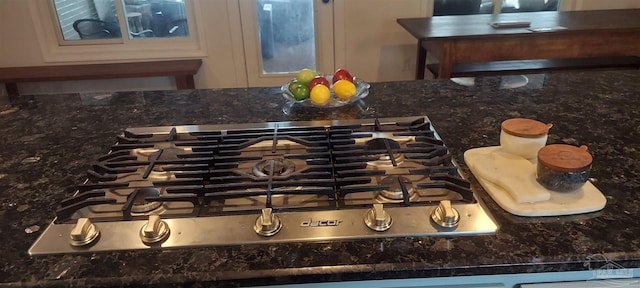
x,y
344,89
320,95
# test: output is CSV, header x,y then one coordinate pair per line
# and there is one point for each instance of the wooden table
x,y
470,38
181,70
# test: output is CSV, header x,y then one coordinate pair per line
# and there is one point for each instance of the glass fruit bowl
x,y
362,91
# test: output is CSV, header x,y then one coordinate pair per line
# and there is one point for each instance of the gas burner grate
x,y
333,162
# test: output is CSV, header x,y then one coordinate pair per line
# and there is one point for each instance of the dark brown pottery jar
x,y
563,168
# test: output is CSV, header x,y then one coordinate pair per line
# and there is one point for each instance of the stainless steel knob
x,y
377,218
83,233
445,215
268,224
154,231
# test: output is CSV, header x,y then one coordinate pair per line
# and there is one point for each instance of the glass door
x,y
281,37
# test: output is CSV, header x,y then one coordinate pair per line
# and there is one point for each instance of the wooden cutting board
x,y
586,199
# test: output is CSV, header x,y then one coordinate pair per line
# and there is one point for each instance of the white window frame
x,y
49,35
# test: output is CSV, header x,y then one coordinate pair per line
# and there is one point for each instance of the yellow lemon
x,y
344,89
320,95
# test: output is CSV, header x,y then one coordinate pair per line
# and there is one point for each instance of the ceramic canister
x,y
523,137
563,168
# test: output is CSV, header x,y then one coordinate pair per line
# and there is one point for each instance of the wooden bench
x,y
181,70
538,66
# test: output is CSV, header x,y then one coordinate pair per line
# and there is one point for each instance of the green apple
x,y
299,91
294,84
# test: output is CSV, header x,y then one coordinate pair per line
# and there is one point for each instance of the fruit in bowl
x,y
320,95
312,89
299,90
344,89
319,80
305,76
342,74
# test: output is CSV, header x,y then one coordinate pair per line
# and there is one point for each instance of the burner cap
x,y
140,205
279,167
394,192
379,144
158,174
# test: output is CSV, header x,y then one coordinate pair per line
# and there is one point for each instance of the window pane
x,y
156,18
511,6
287,35
462,7
87,19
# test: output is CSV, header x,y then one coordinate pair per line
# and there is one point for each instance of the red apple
x,y
342,74
319,80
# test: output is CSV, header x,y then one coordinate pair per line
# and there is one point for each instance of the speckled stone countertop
x,y
48,142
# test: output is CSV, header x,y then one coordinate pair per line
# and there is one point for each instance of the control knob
x,y
377,218
445,215
268,224
154,231
83,233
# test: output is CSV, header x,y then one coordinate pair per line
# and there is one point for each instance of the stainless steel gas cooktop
x,y
191,186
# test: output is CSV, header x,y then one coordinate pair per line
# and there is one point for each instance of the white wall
x,y
19,46
370,44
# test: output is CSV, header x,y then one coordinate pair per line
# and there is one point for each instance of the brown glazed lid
x,y
565,158
526,128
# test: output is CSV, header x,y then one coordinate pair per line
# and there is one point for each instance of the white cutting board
x,y
586,199
506,171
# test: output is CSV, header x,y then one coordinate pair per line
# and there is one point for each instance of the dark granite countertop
x,y
48,142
